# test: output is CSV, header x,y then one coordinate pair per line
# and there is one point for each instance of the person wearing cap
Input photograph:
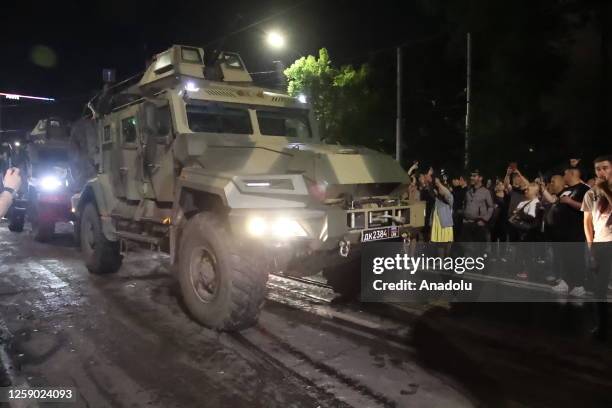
x,y
477,210
10,185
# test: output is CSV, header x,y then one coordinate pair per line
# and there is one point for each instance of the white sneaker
x,y
561,287
578,291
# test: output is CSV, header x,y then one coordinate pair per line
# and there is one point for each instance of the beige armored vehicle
x,y
233,181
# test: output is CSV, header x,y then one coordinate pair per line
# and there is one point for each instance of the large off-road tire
x,y
223,286
101,255
345,279
16,222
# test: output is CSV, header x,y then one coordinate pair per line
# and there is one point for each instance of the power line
x,y
256,23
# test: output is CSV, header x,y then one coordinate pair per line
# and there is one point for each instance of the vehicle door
x,y
130,160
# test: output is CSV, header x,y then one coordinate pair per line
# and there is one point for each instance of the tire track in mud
x,y
343,379
142,290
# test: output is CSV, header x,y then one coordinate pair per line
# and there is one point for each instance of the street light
x,y
275,39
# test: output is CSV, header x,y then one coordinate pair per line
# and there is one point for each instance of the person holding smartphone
x,y
10,185
442,218
569,230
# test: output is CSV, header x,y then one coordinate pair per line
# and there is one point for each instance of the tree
x,y
341,98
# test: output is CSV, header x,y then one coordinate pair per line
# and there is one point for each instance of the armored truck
x,y
48,164
233,181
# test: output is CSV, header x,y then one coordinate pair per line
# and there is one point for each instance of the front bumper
x,y
55,207
331,232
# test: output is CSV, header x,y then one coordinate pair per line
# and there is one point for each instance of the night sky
x,y
539,70
81,38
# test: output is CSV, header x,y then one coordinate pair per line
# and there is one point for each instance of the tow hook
x,y
345,248
407,244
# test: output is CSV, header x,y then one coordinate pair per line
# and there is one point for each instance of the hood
x,y
321,163
336,164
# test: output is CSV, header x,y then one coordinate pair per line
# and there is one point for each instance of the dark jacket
x,y
478,204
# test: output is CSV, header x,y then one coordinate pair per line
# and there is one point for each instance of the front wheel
x,y
101,255
43,230
223,286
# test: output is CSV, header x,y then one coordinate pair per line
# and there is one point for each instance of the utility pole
x,y
468,88
398,123
281,80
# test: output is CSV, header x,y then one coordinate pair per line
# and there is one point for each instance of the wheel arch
x,y
99,193
193,200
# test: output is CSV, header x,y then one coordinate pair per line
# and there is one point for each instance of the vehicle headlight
x,y
282,228
257,226
50,183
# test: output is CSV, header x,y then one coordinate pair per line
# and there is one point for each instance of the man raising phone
x,y
10,185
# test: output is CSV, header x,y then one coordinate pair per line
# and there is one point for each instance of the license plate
x,y
379,234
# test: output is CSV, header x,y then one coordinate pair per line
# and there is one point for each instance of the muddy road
x,y
126,341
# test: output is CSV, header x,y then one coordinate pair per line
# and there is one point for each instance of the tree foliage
x,y
340,97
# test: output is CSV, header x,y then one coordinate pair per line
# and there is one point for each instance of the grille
x,y
221,92
376,217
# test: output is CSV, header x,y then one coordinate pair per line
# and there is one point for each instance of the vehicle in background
x,y
44,199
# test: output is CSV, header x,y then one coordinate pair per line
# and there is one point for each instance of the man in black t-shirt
x,y
567,221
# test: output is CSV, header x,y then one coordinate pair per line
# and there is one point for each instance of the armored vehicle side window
x,y
232,60
285,122
107,134
218,119
128,130
191,55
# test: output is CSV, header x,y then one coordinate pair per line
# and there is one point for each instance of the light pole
x,y
468,101
398,120
276,41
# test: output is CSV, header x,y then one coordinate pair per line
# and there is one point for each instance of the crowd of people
x,y
567,208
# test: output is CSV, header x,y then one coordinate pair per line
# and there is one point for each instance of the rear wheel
x,y
101,255
222,285
16,222
43,230
345,279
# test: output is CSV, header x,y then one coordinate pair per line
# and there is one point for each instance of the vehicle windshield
x,y
44,159
52,156
216,118
284,122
